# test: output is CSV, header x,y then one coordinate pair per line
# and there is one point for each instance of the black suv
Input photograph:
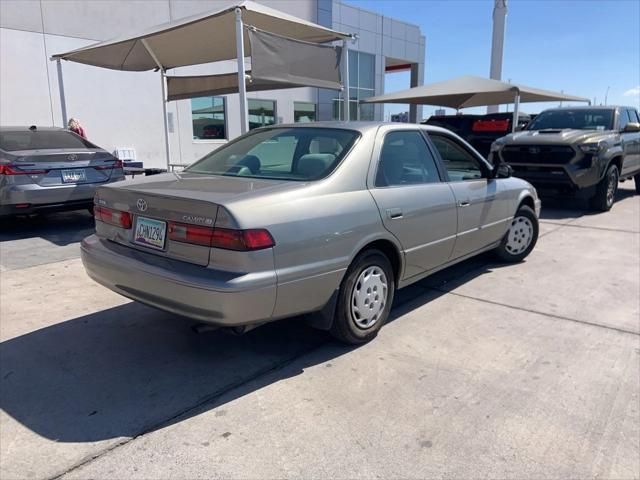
x,y
581,151
480,131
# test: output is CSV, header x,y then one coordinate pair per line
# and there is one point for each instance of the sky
x,y
582,47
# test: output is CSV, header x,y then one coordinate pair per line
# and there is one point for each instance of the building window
x,y
361,85
261,113
208,116
304,112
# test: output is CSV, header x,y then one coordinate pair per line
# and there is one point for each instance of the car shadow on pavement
x,y
572,208
131,369
61,229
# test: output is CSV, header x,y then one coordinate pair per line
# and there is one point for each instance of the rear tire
x,y
521,236
636,179
365,298
606,190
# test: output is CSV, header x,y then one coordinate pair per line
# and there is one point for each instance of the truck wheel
x,y
521,236
606,190
636,179
365,298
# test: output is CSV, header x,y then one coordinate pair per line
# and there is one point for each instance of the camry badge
x,y
142,205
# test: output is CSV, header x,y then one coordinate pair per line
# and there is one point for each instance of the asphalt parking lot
x,y
520,371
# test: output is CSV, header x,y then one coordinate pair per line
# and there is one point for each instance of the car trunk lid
x,y
51,168
186,199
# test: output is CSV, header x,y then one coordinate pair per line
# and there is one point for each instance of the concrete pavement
x,y
520,371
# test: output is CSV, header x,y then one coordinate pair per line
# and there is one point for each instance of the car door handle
x,y
464,203
394,213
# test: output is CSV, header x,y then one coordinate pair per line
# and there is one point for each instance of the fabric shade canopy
x,y
277,62
195,40
470,91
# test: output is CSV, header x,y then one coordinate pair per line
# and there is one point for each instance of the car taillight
x,y
255,239
182,232
112,217
226,238
9,170
116,164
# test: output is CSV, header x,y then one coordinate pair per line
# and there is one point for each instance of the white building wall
x,y
124,109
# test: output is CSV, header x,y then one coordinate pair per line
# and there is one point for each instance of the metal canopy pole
x,y
516,108
345,80
63,100
242,87
163,87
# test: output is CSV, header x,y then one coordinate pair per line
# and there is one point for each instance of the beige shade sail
x,y
203,38
470,91
277,63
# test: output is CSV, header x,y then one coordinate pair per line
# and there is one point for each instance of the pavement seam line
x,y
528,310
589,227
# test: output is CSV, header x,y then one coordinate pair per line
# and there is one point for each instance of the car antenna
x,y
33,128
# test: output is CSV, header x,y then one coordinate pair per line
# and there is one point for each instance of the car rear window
x,y
300,154
12,141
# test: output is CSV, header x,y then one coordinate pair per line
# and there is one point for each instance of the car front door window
x,y
460,164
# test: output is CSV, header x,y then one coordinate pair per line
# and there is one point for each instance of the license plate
x,y
74,176
150,232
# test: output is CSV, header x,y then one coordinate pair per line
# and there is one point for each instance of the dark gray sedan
x,y
51,169
326,219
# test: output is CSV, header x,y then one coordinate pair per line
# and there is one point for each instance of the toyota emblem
x,y
142,205
534,150
72,157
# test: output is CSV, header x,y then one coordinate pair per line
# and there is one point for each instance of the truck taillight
x,y
112,217
226,238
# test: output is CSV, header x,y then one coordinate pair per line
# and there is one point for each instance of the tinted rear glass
x,y
280,153
41,140
582,119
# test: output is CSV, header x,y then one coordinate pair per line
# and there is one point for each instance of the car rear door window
x,y
458,161
405,159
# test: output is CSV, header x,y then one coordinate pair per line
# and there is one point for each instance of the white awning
x,y
203,38
469,91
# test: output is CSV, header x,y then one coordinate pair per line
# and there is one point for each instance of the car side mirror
x,y
631,127
503,170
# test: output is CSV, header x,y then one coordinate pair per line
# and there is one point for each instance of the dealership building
x,y
122,111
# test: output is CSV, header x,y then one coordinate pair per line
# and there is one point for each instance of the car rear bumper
x,y
28,209
207,295
33,198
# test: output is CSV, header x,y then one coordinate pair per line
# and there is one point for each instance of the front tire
x,y
521,236
365,298
606,190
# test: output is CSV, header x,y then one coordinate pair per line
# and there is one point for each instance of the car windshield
x,y
581,119
12,141
280,153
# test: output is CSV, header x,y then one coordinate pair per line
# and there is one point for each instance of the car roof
x,y
26,128
360,126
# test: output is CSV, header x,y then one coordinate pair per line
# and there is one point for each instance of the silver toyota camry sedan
x,y
45,169
323,219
